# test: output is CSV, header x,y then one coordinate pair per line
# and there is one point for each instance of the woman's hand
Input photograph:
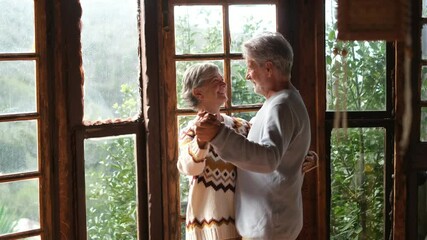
x,y
310,162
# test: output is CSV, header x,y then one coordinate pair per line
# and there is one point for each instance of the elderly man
x,y
268,193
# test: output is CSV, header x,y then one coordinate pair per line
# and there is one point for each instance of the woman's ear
x,y
197,93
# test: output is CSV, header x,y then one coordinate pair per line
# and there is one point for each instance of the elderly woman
x,y
210,209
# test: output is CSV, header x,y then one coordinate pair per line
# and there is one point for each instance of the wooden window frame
x,y
70,131
59,84
42,115
288,13
417,150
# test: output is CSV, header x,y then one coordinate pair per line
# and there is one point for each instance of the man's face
x,y
258,75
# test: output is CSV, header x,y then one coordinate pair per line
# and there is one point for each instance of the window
x,y
25,158
418,187
108,137
83,105
359,134
214,33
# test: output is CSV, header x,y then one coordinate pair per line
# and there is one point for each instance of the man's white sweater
x,y
268,192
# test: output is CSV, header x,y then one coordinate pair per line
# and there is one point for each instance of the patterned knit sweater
x,y
210,209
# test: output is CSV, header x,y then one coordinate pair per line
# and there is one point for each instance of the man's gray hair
x,y
270,46
194,77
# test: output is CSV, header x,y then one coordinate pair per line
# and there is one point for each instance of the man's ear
x,y
197,92
269,67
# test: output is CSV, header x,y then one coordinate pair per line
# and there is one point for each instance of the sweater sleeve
x,y
264,155
191,159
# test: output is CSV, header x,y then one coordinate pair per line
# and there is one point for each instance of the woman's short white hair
x,y
194,77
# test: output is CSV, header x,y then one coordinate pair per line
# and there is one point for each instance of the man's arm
x,y
263,156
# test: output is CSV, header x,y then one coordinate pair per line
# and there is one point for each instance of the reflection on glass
x,y
423,125
18,147
110,179
422,205
19,206
242,91
355,70
245,115
249,20
18,87
17,26
424,83
357,183
181,66
110,59
198,29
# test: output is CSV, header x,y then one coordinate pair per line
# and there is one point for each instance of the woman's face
x,y
213,93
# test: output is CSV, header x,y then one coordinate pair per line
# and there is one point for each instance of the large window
x,y
211,33
24,151
109,133
91,108
359,134
419,230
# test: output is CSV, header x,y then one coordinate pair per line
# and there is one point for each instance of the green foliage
x,y
356,72
356,75
111,194
111,184
129,101
357,184
7,222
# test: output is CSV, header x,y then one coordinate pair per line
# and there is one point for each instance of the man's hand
x,y
310,162
207,126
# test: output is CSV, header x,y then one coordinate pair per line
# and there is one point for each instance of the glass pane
x,y
356,70
357,184
422,205
249,20
423,127
18,87
19,206
424,13
17,26
424,83
110,59
424,42
181,66
18,147
198,29
183,230
245,115
110,174
184,183
242,91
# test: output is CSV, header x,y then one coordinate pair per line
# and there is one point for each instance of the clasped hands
x,y
207,127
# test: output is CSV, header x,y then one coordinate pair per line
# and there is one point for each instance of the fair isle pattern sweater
x,y
210,210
